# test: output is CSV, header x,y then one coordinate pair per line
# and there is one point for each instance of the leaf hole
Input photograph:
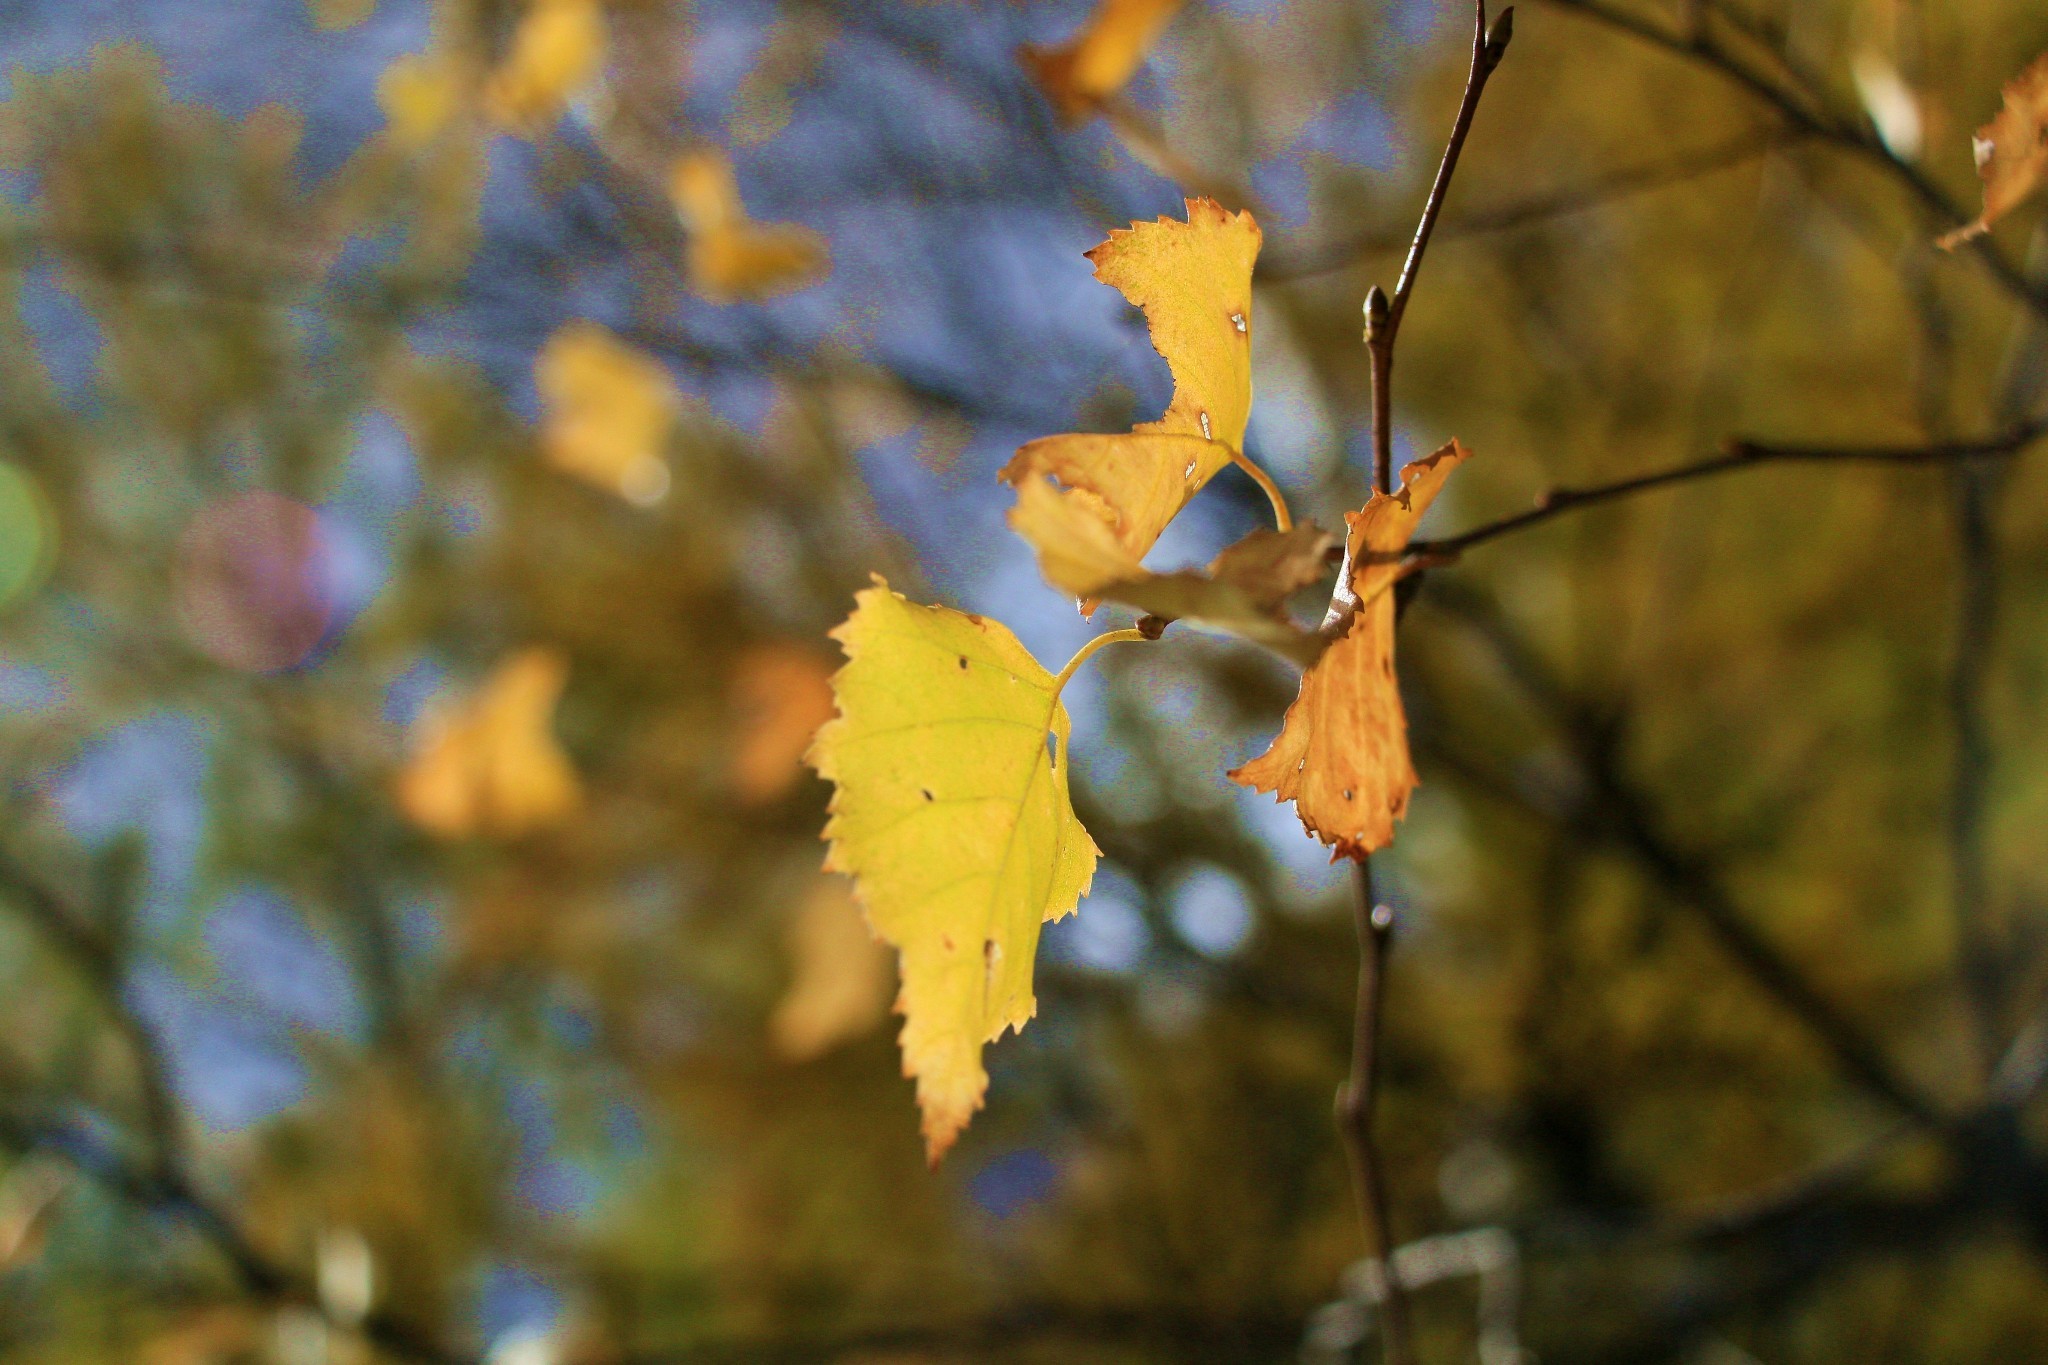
x,y
1237,321
1052,749
1347,793
1205,433
963,663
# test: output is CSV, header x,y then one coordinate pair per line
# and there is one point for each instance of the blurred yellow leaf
x,y
731,256
1242,591
1097,62
841,976
781,694
491,765
951,812
204,1336
558,49
1342,752
2012,151
421,94
609,410
1193,279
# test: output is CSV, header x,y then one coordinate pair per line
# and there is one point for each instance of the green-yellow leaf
x,y
950,810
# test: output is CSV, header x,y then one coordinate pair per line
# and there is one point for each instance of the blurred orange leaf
x,y
1342,752
781,693
841,976
2012,151
1080,74
1193,280
731,256
950,810
557,50
491,764
609,412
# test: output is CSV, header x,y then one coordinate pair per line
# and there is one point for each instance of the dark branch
x,y
1355,1108
1739,455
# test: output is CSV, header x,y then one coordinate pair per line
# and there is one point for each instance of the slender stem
x,y
1087,652
1739,455
1282,518
1355,1109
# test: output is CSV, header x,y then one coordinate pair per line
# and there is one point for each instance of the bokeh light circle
x,y
249,582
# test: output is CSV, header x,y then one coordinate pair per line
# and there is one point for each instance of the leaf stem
x,y
1283,519
1087,652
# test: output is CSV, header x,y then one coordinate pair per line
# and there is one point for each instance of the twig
x,y
1355,1106
1738,455
1376,922
1383,316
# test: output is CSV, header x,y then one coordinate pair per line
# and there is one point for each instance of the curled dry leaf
x,y
557,50
1193,280
1097,62
608,412
731,256
781,694
1244,591
491,764
950,810
1342,752
2012,151
841,977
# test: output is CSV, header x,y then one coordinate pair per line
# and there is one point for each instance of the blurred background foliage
x,y
435,438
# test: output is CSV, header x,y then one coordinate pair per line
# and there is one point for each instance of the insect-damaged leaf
x,y
1193,280
1342,752
2012,151
731,256
950,810
1244,591
1096,63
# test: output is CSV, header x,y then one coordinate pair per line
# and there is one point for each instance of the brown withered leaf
x,y
2012,151
1342,752
1243,591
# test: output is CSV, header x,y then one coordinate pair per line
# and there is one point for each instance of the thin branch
x,y
1597,192
1738,455
1627,818
168,1194
1805,109
1355,1109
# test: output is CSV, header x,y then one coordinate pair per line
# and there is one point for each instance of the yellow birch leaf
x,y
557,50
609,410
1243,591
950,810
841,977
731,256
1080,74
492,765
781,694
1342,752
2012,151
1193,280
421,94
